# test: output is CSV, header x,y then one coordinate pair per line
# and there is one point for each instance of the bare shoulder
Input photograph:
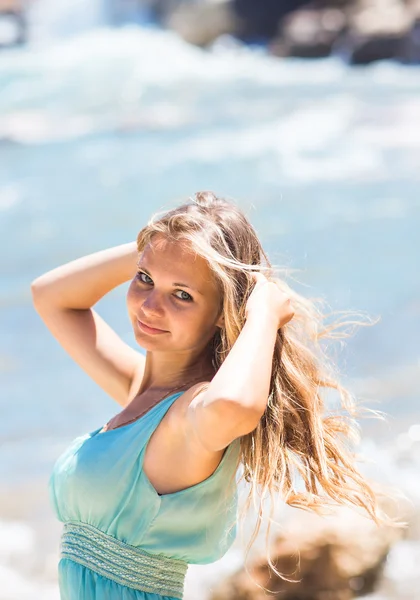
x,y
175,458
211,425
178,417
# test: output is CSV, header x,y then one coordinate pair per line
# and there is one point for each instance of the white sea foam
x,y
14,586
17,549
15,538
201,579
135,77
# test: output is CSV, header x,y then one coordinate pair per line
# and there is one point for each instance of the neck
x,y
165,371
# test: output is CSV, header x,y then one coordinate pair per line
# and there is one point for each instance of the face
x,y
173,302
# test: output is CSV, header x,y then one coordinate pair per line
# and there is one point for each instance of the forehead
x,y
176,260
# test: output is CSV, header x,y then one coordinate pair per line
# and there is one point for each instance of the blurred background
x,y
308,116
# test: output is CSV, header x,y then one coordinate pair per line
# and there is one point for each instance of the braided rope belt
x,y
124,564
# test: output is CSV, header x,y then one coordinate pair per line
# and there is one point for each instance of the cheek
x,y
202,325
187,323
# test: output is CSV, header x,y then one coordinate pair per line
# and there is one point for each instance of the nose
x,y
152,305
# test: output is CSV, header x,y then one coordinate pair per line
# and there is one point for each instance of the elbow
x,y
38,292
35,291
36,285
248,418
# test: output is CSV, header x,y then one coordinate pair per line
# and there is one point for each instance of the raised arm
x,y
64,298
236,398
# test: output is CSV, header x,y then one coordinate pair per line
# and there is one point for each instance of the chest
x,y
134,411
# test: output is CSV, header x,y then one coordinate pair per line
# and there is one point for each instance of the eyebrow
x,y
175,283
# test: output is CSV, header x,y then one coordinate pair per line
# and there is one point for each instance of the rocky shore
x,y
340,557
359,31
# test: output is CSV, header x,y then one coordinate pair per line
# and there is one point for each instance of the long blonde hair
x,y
294,435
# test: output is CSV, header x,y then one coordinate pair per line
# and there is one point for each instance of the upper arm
x,y
95,347
217,424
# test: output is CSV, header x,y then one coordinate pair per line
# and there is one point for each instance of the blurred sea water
x,y
101,130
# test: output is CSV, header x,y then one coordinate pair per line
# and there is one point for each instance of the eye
x,y
142,276
184,296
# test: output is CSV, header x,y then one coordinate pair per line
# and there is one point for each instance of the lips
x,y
148,328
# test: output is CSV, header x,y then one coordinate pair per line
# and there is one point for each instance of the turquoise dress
x,y
121,539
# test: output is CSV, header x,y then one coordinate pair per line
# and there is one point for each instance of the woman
x,y
231,374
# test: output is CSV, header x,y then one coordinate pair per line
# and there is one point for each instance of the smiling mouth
x,y
148,329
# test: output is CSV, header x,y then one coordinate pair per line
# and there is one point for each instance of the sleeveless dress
x,y
121,539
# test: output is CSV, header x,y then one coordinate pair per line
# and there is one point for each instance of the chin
x,y
145,341
150,342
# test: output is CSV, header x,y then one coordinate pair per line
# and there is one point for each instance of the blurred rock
x,y
259,20
380,17
309,33
411,44
362,51
10,5
339,557
202,23
360,31
378,30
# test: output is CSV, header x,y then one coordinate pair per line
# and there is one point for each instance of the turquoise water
x,y
98,132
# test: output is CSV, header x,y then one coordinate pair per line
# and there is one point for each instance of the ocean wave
x,y
146,78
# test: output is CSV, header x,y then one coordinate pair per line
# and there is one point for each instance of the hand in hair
x,y
267,296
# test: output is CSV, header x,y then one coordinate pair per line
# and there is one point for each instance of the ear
x,y
220,321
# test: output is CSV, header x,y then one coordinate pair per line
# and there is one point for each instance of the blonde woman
x,y
232,375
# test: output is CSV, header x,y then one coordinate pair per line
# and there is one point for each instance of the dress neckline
x,y
98,432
